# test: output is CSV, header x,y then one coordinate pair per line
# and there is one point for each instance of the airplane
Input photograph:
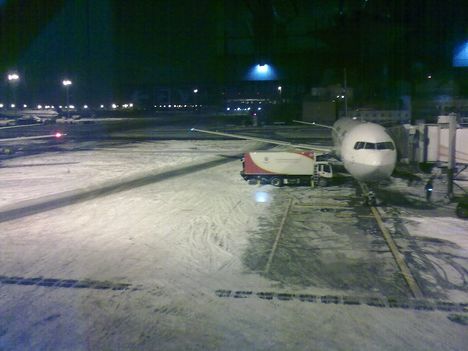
x,y
32,115
45,113
56,135
367,151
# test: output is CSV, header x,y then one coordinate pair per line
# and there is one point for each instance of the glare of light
x,y
195,91
429,76
52,106
169,106
228,109
1,105
25,106
60,106
85,106
460,58
279,88
67,82
58,135
125,105
13,77
102,106
261,196
259,109
114,106
47,106
263,68
71,106
261,72
238,109
39,107
131,105
12,105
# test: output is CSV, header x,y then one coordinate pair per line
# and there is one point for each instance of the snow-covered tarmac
x,y
177,239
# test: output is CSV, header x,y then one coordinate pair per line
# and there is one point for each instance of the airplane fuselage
x,y
367,151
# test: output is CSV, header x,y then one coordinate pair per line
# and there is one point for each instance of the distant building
x,y
382,116
325,104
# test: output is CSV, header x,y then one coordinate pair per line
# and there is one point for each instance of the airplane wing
x,y
269,141
314,124
48,136
21,126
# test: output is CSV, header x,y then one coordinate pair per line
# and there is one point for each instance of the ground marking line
x,y
278,235
399,258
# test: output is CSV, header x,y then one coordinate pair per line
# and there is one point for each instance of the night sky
x,y
112,48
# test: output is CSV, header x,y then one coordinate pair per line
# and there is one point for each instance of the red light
x,y
58,135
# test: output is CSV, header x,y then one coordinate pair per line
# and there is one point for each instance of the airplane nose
x,y
373,170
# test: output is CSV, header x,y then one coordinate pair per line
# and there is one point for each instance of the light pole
x,y
66,83
13,79
195,92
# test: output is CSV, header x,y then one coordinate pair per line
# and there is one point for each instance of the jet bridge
x,y
444,144
430,143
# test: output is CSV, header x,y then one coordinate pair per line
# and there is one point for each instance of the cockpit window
x,y
359,145
388,145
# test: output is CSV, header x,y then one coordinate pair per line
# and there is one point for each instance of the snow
x,y
176,240
450,229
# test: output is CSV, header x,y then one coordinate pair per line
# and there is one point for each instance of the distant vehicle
x,y
28,120
462,207
286,167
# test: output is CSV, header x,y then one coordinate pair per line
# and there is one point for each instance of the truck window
x,y
369,146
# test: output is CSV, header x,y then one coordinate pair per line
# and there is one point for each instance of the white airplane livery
x,y
367,151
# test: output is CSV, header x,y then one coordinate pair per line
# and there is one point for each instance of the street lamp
x,y
13,79
195,92
66,83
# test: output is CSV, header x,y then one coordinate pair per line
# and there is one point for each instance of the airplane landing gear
x,y
370,199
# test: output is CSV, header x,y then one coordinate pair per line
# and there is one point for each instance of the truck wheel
x,y
322,182
275,181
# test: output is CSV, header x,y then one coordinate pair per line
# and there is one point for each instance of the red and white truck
x,y
285,167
